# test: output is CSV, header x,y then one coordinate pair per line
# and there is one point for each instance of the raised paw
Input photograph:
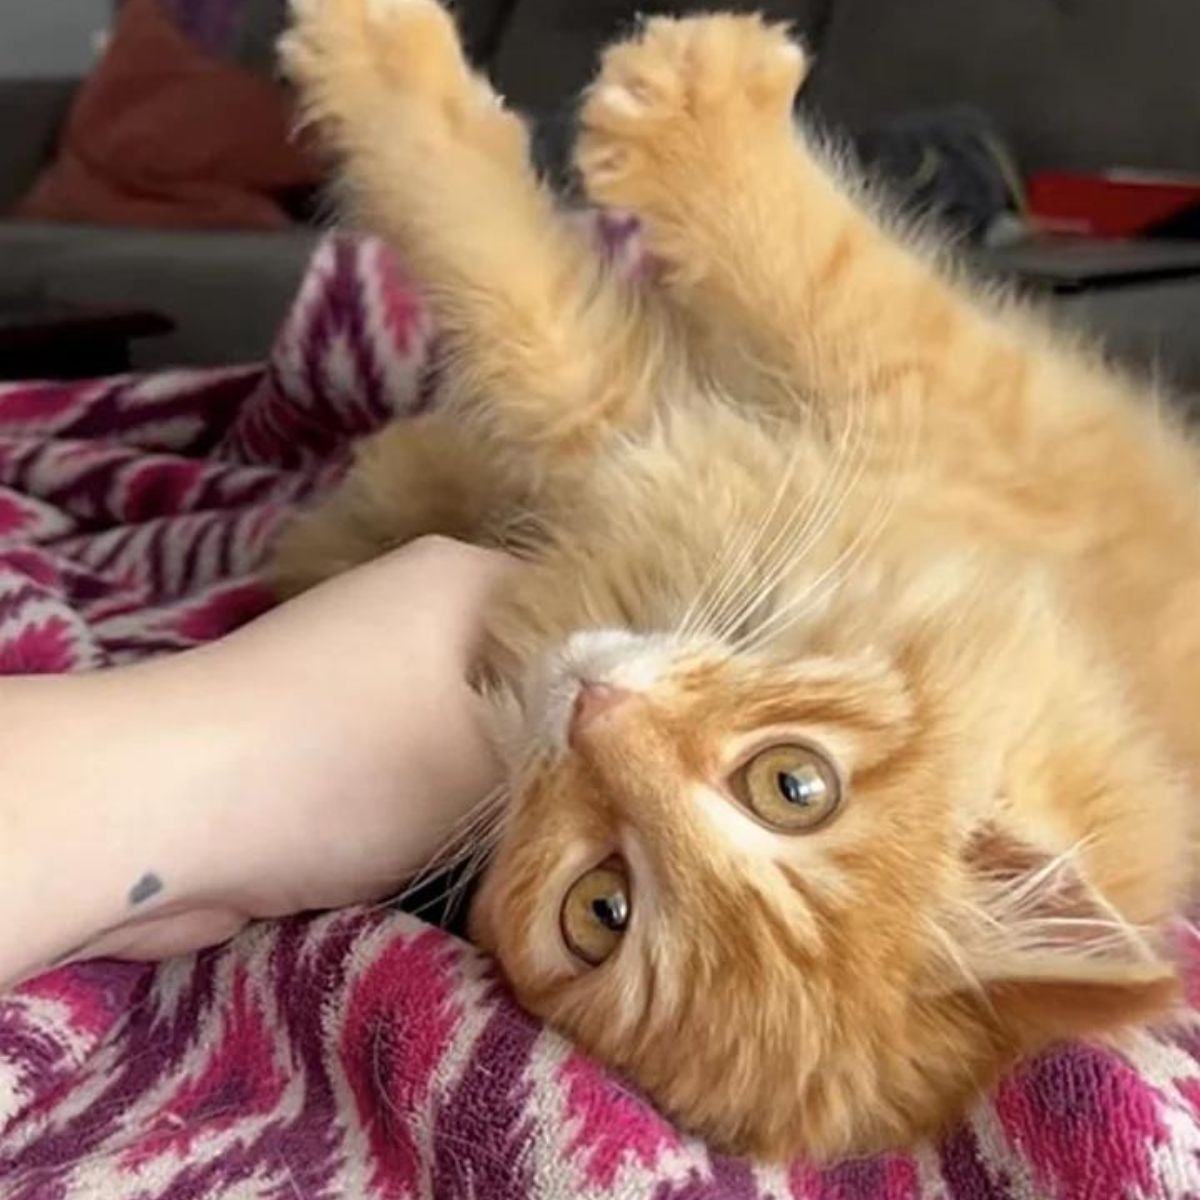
x,y
681,98
355,61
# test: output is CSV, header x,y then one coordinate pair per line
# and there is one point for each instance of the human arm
x,y
313,759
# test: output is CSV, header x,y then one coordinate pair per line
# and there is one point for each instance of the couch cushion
x,y
1072,83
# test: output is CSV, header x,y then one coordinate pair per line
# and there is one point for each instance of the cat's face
x,y
772,880
712,875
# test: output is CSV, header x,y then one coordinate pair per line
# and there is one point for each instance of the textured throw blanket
x,y
364,1055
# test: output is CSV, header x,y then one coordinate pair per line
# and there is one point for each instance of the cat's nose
x,y
593,700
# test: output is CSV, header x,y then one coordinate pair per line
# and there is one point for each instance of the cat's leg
x,y
783,269
689,127
424,475
542,349
1021,438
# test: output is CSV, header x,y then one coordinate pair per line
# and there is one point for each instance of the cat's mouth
x,y
595,660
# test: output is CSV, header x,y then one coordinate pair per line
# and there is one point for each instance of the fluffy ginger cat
x,y
849,683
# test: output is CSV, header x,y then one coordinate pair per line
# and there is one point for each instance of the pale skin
x,y
314,759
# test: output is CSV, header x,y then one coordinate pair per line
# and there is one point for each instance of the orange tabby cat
x,y
849,687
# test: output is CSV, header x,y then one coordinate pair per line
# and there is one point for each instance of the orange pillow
x,y
163,134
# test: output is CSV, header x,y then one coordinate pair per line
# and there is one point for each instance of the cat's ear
x,y
1051,958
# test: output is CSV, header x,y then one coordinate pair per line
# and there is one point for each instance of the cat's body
x,y
802,516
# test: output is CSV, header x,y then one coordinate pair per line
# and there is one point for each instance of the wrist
x,y
67,853
96,834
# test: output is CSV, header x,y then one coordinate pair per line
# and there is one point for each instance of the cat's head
x,y
790,879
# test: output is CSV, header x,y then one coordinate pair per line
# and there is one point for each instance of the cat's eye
x,y
793,788
595,913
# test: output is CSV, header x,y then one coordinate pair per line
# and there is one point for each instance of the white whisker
x,y
879,515
1016,916
795,537
848,472
479,827
729,575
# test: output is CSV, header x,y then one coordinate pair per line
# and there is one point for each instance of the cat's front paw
x,y
678,101
355,61
397,45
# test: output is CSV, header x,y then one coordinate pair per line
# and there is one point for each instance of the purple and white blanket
x,y
364,1055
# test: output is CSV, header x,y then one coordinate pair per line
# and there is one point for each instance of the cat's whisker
x,y
880,514
952,953
481,823
820,588
729,575
750,588
481,812
716,579
849,472
800,535
823,584
1018,891
848,457
735,578
457,892
739,577
1016,911
460,876
693,616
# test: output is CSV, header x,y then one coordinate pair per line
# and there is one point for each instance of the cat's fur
x,y
803,487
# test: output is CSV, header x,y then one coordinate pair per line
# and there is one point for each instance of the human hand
x,y
313,759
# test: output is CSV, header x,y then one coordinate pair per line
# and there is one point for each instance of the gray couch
x,y
1087,84
1070,83
225,291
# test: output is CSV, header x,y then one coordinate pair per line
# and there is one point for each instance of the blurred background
x,y
155,209
56,40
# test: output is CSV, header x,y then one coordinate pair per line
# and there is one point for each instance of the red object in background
x,y
164,134
1116,204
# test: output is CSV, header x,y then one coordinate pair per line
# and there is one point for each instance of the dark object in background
x,y
41,340
950,164
444,899
1184,224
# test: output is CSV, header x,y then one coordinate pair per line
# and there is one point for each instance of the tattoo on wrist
x,y
145,889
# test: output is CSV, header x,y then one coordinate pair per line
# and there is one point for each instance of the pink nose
x,y
594,700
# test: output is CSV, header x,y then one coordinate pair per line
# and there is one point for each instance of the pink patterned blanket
x,y
363,1054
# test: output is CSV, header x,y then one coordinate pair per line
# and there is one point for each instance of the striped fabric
x,y
362,1054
